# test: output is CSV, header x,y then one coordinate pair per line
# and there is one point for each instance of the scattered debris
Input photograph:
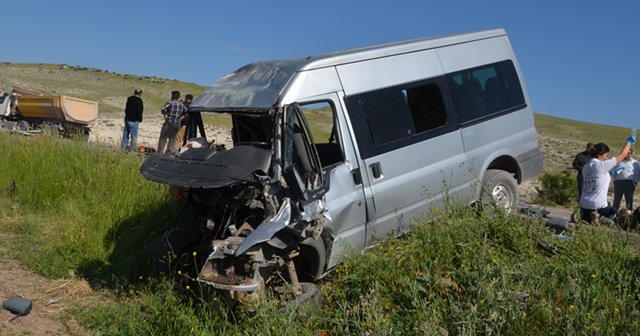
x,y
550,249
17,305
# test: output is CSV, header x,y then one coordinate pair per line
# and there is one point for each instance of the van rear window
x,y
485,90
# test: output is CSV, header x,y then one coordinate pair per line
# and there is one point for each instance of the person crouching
x,y
593,202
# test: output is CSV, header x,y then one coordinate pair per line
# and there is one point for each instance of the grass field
x,y
581,132
77,211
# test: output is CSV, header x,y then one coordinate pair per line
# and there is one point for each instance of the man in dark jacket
x,y
132,118
578,162
194,123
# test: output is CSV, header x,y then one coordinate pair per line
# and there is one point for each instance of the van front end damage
x,y
250,225
235,263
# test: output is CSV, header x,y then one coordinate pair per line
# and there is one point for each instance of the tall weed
x,y
558,188
74,204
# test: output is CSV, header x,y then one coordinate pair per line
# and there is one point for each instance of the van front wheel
x,y
499,189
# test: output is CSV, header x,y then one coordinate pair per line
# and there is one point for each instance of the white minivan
x,y
334,153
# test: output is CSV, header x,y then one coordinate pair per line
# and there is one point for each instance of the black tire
x,y
499,190
48,129
22,126
310,263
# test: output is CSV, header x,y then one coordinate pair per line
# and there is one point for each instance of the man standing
x,y
132,118
181,136
173,113
625,178
194,124
578,162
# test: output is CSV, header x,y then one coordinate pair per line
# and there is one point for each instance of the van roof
x,y
395,48
255,88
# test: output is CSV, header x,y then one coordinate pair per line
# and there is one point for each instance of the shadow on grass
x,y
136,246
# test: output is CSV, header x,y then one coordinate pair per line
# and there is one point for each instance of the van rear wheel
x,y
500,189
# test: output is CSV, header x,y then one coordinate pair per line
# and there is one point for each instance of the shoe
x,y
606,221
594,217
574,217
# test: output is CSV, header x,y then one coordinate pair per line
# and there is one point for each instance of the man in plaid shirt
x,y
173,112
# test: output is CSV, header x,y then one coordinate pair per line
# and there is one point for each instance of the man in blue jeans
x,y
132,117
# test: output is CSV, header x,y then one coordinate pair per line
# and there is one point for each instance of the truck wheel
x,y
22,126
499,189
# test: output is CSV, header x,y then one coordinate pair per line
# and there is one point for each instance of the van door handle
x,y
357,178
376,170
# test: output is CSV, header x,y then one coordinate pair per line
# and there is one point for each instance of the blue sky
x,y
581,59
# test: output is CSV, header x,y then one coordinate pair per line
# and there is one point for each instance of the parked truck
x,y
26,112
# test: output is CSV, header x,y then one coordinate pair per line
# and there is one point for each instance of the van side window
x,y
395,117
485,90
320,117
401,112
427,107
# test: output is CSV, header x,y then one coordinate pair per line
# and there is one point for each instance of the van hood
x,y
254,88
207,168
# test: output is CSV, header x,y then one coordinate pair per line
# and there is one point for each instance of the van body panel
x,y
486,141
530,163
388,71
498,132
471,54
345,198
311,85
412,179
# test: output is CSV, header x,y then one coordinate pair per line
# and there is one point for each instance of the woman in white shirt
x,y
596,180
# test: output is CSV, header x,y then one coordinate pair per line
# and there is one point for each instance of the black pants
x,y
608,211
626,188
194,124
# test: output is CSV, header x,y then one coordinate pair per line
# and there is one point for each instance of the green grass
x,y
84,212
82,206
217,119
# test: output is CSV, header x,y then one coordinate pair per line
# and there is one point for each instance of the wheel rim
x,y
22,126
502,196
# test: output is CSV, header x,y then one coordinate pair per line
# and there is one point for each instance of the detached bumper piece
x,y
223,271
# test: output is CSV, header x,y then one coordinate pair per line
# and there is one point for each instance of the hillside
x,y
561,139
109,89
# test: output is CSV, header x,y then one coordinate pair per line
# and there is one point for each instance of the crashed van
x,y
334,153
